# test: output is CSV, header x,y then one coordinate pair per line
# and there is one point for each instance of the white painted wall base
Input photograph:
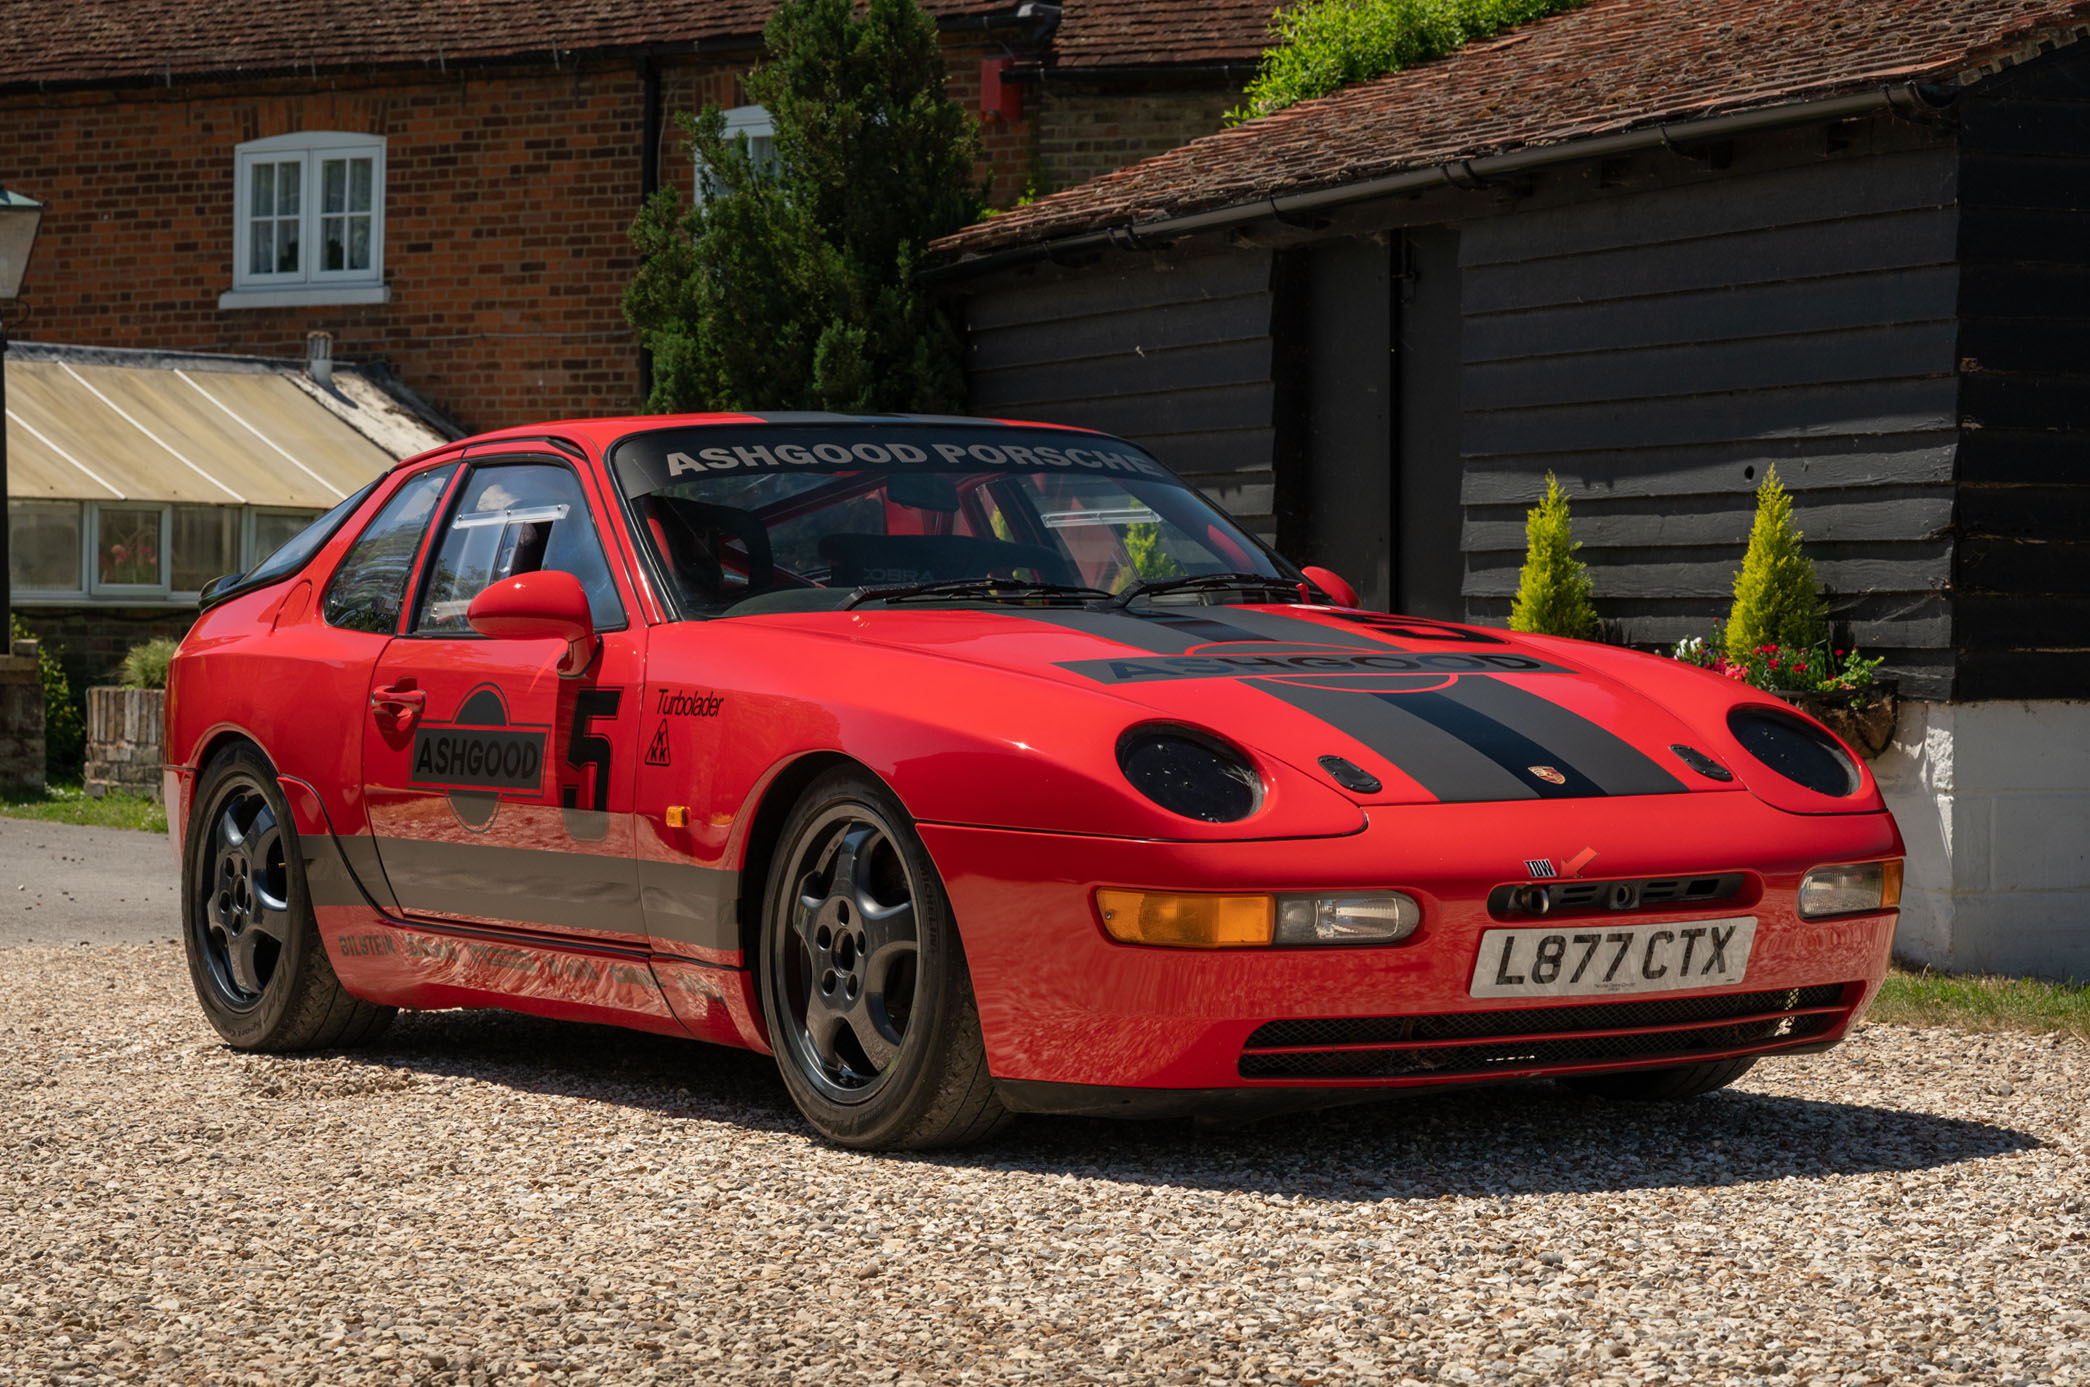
x,y
1994,801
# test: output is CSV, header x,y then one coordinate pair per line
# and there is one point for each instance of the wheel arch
x,y
213,744
219,740
767,826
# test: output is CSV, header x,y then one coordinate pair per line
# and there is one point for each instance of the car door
x,y
500,788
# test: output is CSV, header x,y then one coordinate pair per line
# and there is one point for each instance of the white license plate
x,y
1589,958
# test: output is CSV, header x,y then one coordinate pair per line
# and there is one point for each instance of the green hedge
x,y
65,717
1324,45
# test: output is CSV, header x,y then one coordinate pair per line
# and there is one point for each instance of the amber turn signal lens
x,y
1187,920
1850,890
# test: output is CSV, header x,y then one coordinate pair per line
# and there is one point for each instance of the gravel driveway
x,y
489,1198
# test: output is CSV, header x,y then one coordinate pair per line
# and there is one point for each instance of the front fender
x,y
1702,700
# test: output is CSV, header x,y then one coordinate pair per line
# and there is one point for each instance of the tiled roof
x,y
103,40
1607,67
1149,33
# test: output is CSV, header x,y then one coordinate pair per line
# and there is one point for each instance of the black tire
x,y
864,986
1663,1085
254,950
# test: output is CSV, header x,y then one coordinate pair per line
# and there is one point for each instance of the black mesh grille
x,y
1512,1052
1613,897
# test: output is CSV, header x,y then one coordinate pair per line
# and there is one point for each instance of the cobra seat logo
x,y
478,756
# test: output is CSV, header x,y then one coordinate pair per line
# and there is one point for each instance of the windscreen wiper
x,y
1210,582
986,589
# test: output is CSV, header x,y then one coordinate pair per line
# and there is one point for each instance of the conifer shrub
x,y
791,283
1777,601
1553,591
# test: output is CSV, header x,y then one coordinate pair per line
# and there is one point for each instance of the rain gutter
x,y
1912,100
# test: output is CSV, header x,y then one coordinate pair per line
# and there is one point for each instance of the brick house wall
x,y
1086,129
509,196
507,203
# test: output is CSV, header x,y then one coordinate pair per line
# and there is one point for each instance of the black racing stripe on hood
x,y
1614,764
1198,622
1507,747
1177,630
1445,764
1293,630
1149,636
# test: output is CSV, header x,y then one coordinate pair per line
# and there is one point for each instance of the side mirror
x,y
1335,587
545,605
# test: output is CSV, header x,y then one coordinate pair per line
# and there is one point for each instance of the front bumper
x,y
1062,1004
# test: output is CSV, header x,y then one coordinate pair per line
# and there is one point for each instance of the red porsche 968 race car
x,y
974,768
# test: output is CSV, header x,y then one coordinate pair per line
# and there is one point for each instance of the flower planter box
x,y
126,744
1867,724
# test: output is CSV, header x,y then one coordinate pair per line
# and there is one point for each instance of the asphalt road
x,y
61,884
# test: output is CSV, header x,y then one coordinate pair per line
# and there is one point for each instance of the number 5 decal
x,y
583,750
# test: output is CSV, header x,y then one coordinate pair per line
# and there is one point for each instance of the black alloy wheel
x,y
255,956
245,920
864,987
849,958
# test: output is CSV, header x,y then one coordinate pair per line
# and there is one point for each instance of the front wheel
x,y
1663,1085
255,955
864,987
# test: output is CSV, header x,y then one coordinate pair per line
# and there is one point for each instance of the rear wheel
x,y
254,950
864,987
1663,1085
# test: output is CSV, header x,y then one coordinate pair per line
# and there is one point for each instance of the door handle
x,y
400,703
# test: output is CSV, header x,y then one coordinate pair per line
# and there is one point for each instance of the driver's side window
x,y
511,519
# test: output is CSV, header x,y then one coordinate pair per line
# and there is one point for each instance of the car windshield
x,y
781,518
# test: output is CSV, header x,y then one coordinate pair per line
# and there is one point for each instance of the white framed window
x,y
136,552
129,555
755,123
47,549
308,220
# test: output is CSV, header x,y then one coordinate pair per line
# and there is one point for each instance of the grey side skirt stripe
x,y
565,890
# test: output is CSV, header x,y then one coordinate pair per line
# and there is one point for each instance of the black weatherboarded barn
x,y
1655,249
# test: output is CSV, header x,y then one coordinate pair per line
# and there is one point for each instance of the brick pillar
x,y
21,718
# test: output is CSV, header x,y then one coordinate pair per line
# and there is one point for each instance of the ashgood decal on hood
x,y
1319,664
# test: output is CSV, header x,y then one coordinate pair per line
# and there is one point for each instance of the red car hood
x,y
1433,712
